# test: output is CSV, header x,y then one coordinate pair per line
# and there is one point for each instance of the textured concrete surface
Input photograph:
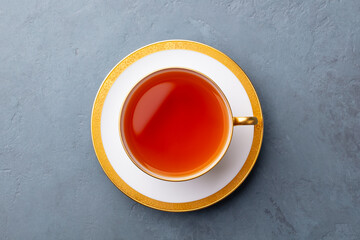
x,y
303,58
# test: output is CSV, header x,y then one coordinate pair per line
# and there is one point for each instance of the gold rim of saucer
x,y
96,129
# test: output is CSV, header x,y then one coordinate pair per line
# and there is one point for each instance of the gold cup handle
x,y
245,121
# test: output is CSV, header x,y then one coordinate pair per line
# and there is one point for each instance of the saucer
x,y
193,194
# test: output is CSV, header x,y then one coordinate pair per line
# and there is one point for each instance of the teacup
x,y
176,124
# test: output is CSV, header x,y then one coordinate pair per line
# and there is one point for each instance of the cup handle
x,y
245,121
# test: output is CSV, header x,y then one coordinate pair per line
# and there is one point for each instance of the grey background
x,y
303,58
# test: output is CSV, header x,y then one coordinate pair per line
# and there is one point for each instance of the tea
x,y
175,123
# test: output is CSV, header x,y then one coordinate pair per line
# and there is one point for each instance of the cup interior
x,y
137,159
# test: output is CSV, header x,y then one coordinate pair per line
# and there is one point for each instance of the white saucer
x,y
200,192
